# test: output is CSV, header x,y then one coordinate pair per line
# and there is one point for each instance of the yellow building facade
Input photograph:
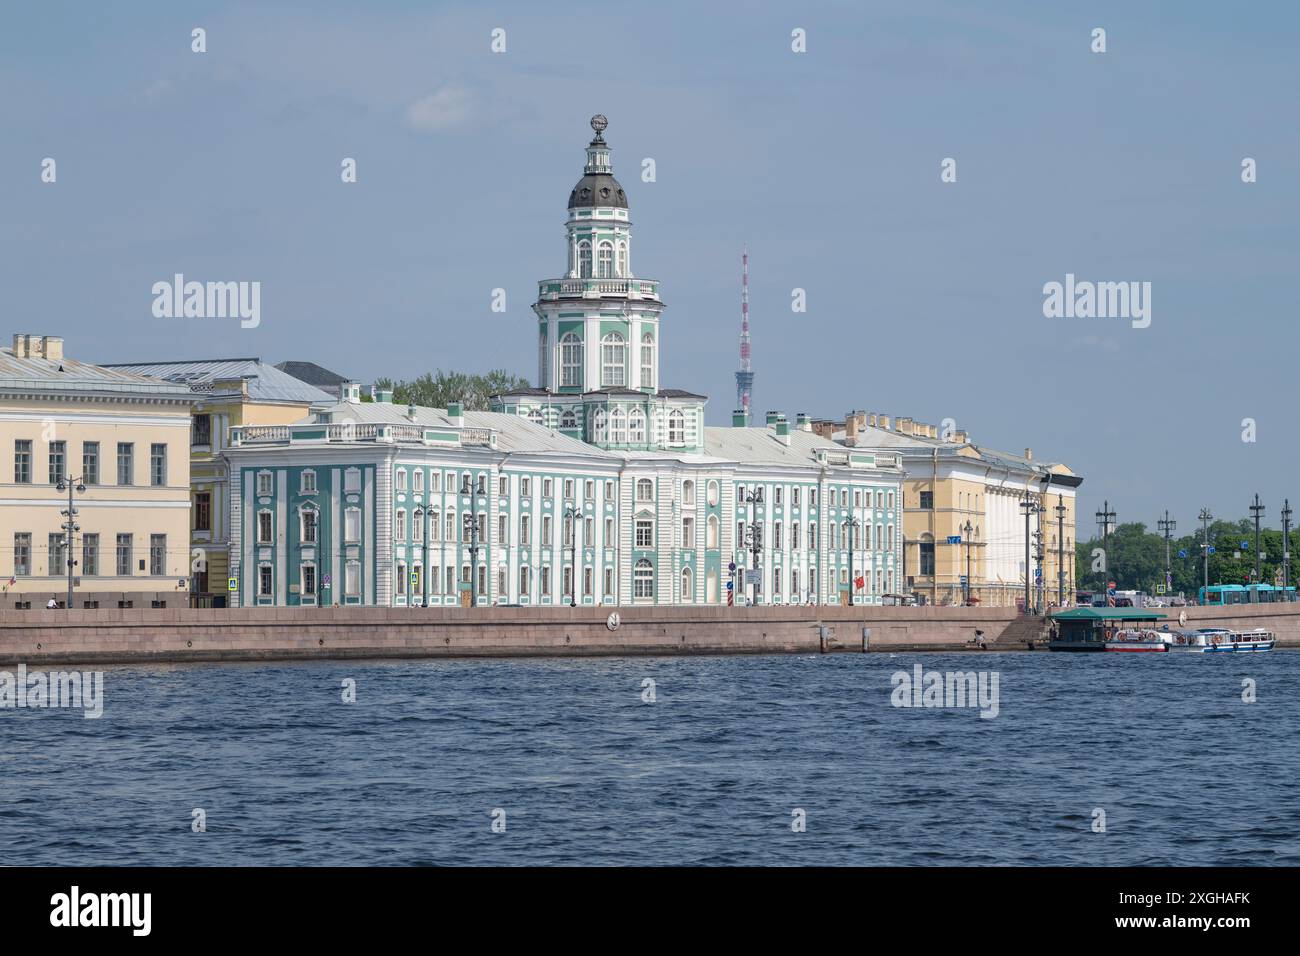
x,y
964,523
226,393
121,441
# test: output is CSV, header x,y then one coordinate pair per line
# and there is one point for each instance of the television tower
x,y
745,376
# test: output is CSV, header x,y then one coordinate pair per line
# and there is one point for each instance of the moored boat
x,y
1122,629
1219,640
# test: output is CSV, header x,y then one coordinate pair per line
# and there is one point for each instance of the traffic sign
x,y
233,584
954,539
732,567
1182,554
1210,549
729,585
1245,545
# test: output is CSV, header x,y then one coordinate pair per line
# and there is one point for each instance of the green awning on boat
x,y
1108,614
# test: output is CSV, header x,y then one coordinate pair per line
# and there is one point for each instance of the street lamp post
x,y
1286,548
1105,517
70,526
854,524
966,530
1257,509
1030,507
571,519
1205,517
754,534
1060,550
469,488
1167,525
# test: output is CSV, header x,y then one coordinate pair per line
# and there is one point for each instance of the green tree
x,y
437,389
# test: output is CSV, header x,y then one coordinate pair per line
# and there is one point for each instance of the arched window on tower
x,y
598,425
570,359
606,260
584,259
636,426
613,360
647,361
622,260
676,427
618,426
535,416
568,419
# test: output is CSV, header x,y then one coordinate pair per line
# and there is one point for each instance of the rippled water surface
x,y
586,772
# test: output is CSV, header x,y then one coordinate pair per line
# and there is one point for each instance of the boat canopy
x,y
1108,614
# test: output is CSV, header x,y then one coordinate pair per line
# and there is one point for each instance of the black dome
x,y
597,189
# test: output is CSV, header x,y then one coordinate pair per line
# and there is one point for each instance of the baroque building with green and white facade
x,y
597,487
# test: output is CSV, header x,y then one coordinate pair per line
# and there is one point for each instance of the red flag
x,y
860,582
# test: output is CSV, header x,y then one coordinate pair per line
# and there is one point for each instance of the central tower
x,y
598,332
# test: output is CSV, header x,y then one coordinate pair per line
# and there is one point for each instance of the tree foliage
x,y
438,388
1135,557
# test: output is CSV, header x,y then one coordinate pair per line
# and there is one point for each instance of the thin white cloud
x,y
442,109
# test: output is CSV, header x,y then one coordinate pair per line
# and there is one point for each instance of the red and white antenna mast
x,y
745,376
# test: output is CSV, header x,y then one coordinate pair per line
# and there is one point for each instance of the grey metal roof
x,y
70,375
873,436
759,445
312,374
266,383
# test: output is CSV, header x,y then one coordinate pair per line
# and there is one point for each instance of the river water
x,y
721,760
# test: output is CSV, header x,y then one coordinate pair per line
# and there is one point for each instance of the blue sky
x,y
924,299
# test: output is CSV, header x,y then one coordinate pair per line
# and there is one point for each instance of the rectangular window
x,y
22,553
264,484
124,554
589,490
90,554
265,527
609,491
417,525
352,579
264,581
927,557
812,537
524,536
23,461
568,489
688,532
201,430
794,536
308,526
609,582
609,532
525,487
58,555
90,462
645,534
927,501
307,484
58,461
523,581
352,525
503,486
546,530
158,465
776,535
546,487
157,554
401,479
203,511
778,494
586,580
126,463
588,532
417,480
308,579
401,580
449,527
450,577
435,481
794,497
546,580
812,497
501,529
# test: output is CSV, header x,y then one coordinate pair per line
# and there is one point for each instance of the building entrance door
x,y
844,598
464,598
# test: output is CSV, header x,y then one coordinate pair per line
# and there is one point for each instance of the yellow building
x,y
963,516
123,441
226,393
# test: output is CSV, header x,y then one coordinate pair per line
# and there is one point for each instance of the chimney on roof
x,y
410,412
783,430
53,347
884,422
959,437
871,419
772,417
351,392
1029,454
851,430
804,422
456,414
739,418
22,347
904,425
384,395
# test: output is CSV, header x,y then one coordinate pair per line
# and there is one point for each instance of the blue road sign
x,y
1211,549
1182,554
730,585
954,539
732,566
1245,545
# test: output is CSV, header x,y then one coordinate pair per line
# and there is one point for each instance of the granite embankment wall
x,y
183,634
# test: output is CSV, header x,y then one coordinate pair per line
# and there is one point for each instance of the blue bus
x,y
1220,594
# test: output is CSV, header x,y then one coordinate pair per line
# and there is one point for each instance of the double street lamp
x,y
70,526
571,515
754,533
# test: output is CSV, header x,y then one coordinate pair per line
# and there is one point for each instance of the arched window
x,y
711,532
645,489
309,521
688,586
636,426
622,260
688,492
584,259
647,361
535,416
643,579
568,419
606,260
598,425
713,493
570,359
618,426
613,360
676,427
